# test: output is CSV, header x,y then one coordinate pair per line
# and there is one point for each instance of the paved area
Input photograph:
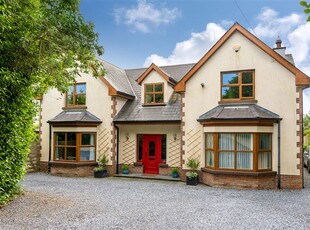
x,y
53,202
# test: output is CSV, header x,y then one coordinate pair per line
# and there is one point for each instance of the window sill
x,y
74,107
154,104
70,163
232,102
239,173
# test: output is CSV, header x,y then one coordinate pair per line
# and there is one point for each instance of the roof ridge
x,y
162,66
111,64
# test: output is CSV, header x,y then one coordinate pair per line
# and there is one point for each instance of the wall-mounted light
x,y
127,136
175,136
237,48
202,85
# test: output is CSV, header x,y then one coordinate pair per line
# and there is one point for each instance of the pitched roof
x,y
75,116
238,112
301,78
116,79
134,111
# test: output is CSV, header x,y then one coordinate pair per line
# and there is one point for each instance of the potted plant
x,y
192,175
101,171
175,172
125,168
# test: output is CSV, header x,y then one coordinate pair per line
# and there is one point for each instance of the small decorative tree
x,y
101,170
192,175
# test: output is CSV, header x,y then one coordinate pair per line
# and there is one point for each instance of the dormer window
x,y
154,93
237,85
76,94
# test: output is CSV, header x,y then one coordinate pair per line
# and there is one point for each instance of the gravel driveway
x,y
119,203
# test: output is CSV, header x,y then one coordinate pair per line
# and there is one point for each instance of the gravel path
x,y
119,203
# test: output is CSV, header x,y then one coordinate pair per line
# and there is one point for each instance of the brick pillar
x,y
113,134
182,129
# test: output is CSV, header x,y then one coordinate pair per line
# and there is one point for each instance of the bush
x,y
16,131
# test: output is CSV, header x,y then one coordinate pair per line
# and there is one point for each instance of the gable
x,y
301,79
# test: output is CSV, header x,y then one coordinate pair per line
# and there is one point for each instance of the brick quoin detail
x,y
182,128
289,181
113,132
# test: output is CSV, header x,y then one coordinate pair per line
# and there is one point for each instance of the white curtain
x,y
210,158
226,142
244,143
264,160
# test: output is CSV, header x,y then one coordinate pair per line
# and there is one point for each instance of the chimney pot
x,y
279,42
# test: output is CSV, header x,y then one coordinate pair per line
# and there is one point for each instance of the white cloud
x,y
270,25
190,50
145,15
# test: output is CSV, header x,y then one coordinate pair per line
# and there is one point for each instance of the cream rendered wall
x,y
155,77
274,90
128,148
98,102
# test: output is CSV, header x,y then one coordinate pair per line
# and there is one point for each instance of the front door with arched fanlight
x,y
151,153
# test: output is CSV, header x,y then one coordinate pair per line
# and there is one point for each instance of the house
x,y
238,110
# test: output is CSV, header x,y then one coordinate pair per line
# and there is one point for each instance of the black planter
x,y
100,174
192,181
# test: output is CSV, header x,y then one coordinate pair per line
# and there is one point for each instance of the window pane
x,y
149,88
139,147
87,153
245,142
163,148
247,91
71,138
60,153
80,88
264,141
247,77
226,160
70,89
88,139
244,160
159,98
69,100
264,160
80,99
149,98
158,88
209,141
226,141
60,138
210,158
230,92
71,154
152,148
229,78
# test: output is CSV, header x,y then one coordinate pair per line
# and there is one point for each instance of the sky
x,y
136,33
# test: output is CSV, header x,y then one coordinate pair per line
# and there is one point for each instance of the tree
x,y
307,8
43,44
306,127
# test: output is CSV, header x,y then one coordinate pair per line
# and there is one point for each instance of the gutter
x,y
49,149
279,155
117,148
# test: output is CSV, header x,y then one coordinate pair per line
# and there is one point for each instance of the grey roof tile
x,y
117,78
133,110
75,116
230,112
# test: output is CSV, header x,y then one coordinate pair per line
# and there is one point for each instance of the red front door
x,y
151,148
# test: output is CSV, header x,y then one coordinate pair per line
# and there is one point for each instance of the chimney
x,y
279,48
278,42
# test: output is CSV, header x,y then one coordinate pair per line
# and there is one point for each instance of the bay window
x,y
71,146
238,151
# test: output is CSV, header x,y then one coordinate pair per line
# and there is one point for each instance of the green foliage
x,y
191,174
307,8
193,164
43,44
175,170
125,167
102,162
